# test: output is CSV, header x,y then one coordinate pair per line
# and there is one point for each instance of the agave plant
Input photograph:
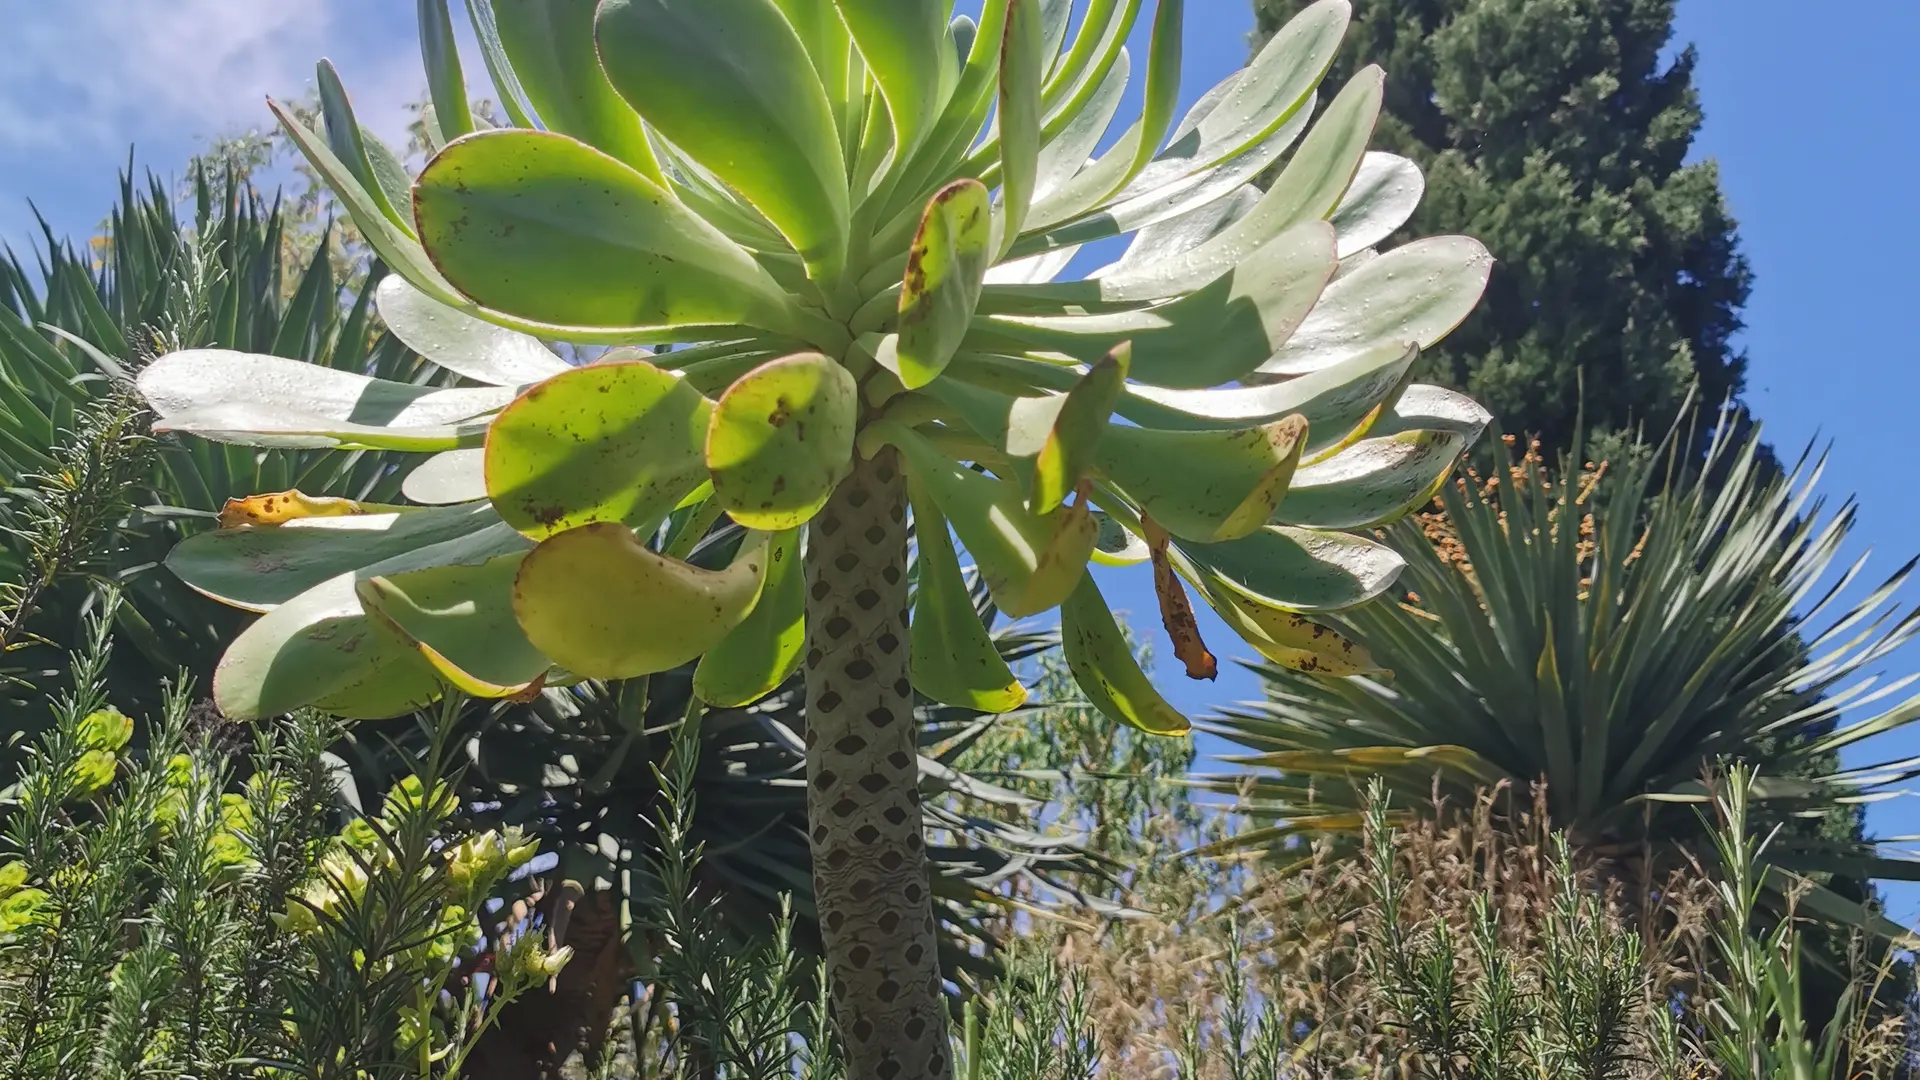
x,y
1615,634
837,223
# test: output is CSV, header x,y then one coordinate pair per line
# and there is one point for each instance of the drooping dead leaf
x,y
1176,610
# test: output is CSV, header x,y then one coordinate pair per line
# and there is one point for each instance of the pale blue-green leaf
x,y
322,650
204,380
1300,569
246,425
391,176
1414,294
1384,194
1036,270
1320,171
1273,89
395,246
461,343
447,479
1374,481
344,139
1181,235
1071,150
1434,408
1177,196
1335,400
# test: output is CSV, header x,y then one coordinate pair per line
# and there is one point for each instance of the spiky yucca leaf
x,y
1613,636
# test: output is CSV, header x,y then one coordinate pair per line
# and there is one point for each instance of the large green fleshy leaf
x,y
1023,59
764,651
258,568
904,44
1414,294
460,617
461,343
603,606
1373,481
729,83
1064,435
547,228
322,650
781,439
955,661
274,401
446,84
619,442
1030,561
1298,569
551,46
1204,485
1215,335
1103,664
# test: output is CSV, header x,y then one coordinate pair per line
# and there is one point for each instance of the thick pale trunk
x,y
870,868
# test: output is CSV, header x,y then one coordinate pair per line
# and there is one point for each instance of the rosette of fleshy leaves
x,y
771,235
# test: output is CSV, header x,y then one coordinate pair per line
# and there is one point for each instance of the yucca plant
x,y
1613,632
75,325
805,211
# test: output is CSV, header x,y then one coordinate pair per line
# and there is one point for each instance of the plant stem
x,y
870,866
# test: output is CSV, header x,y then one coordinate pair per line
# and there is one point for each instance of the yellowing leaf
x,y
282,507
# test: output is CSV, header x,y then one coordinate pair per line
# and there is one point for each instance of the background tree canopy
x,y
1557,132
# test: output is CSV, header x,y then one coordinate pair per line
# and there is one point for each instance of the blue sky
x,y
1814,138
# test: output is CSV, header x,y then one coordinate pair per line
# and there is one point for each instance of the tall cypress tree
x,y
1557,131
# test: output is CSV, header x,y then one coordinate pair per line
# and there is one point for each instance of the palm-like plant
x,y
1614,634
804,208
564,765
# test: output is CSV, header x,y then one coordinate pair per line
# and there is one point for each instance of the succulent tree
x,y
836,224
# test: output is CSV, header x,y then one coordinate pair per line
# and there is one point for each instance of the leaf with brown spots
x,y
618,442
945,270
282,507
781,439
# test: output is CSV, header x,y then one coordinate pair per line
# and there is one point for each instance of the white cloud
x,y
106,72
